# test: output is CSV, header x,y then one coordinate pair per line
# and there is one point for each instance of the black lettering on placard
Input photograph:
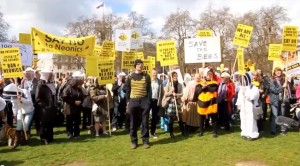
x,y
68,48
12,70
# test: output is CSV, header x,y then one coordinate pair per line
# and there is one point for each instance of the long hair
x,y
275,70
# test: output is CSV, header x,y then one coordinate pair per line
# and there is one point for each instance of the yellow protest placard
x,y
106,72
204,33
290,38
91,62
242,35
43,42
148,66
274,52
97,51
240,59
11,62
128,59
24,38
166,52
140,55
108,52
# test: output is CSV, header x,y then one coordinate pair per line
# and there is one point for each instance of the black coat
x,y
45,102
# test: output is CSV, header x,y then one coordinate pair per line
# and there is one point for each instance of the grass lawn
x,y
227,149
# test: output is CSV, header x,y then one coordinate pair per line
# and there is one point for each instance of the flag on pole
x,y
100,6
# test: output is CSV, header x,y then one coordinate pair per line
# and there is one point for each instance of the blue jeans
x,y
276,111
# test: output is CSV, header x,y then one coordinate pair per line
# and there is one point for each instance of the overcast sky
x,y
53,15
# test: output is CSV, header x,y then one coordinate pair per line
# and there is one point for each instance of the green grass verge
x,y
227,149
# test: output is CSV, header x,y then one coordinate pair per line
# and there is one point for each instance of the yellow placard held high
x,y
274,52
240,59
11,62
24,38
43,42
242,35
91,65
106,72
166,52
97,51
204,33
107,52
290,38
128,59
139,55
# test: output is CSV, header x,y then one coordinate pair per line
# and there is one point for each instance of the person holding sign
x,y
206,94
22,107
45,99
99,96
173,91
138,96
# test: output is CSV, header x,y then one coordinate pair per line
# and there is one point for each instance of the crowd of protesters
x,y
204,100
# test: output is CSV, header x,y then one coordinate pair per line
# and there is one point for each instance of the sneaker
x,y
146,146
70,136
154,135
104,133
114,129
97,135
133,145
44,141
284,133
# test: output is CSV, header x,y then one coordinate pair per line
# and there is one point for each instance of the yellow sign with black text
x,y
274,52
204,33
290,38
240,59
128,59
11,62
106,72
108,52
43,42
166,52
242,35
97,51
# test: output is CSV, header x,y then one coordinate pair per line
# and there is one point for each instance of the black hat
x,y
137,61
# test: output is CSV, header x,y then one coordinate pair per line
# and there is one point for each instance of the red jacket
x,y
230,95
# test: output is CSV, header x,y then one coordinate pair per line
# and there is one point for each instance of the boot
x,y
186,130
171,130
17,139
181,126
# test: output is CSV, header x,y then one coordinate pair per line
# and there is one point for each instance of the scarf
x,y
278,79
52,88
256,83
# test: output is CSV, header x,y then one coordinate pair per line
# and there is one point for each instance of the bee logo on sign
x,y
123,37
135,35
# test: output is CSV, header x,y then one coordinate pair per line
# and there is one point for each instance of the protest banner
x,y
293,68
25,38
240,59
290,38
107,51
11,62
242,35
166,52
122,40
91,63
206,49
204,33
128,59
274,52
136,41
25,51
106,72
43,42
97,51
